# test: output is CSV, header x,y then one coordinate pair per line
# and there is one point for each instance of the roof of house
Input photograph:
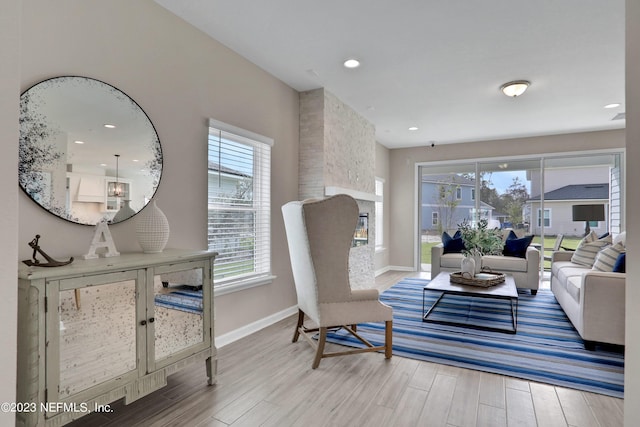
x,y
577,192
448,179
223,169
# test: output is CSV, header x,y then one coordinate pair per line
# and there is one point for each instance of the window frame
x,y
260,206
379,212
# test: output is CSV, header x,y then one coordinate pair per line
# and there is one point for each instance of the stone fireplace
x,y
337,156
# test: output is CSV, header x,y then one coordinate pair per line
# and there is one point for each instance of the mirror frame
x,y
39,158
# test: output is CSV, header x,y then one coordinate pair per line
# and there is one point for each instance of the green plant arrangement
x,y
480,240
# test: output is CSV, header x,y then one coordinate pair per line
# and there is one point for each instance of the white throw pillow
x,y
606,258
587,250
621,238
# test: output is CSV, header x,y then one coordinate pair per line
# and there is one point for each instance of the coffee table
x,y
441,283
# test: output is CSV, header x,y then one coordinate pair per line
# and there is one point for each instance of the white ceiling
x,y
437,64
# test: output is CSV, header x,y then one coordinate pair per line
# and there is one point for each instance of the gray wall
x,y
632,349
181,78
9,103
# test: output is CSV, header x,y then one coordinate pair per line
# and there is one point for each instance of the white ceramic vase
x,y
125,212
152,230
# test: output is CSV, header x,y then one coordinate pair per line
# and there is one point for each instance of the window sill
x,y
229,288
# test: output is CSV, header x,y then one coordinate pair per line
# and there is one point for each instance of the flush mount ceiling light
x,y
614,105
515,88
351,63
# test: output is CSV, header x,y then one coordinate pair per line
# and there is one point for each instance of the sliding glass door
x,y
555,198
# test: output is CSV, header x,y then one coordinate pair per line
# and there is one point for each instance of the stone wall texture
x,y
337,149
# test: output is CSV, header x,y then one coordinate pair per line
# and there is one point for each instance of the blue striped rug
x,y
181,299
545,349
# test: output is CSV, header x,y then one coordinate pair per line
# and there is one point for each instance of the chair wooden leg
x,y
321,340
355,328
388,339
296,334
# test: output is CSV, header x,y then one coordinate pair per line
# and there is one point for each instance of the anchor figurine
x,y
36,249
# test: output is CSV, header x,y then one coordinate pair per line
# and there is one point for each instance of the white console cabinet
x,y
95,331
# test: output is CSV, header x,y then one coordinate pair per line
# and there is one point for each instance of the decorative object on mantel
x,y
36,262
152,230
480,240
102,239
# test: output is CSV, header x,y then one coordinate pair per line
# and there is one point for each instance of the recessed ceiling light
x,y
351,63
109,126
135,160
515,88
413,128
614,105
79,142
104,165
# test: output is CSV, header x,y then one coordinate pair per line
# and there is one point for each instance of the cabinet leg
x,y
212,368
77,292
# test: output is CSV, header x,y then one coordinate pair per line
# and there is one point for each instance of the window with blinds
x,y
239,204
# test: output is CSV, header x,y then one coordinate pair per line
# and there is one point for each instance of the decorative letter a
x,y
102,239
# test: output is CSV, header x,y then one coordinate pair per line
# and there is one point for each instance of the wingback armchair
x,y
319,234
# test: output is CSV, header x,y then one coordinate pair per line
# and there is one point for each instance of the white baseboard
x,y
249,329
382,270
401,268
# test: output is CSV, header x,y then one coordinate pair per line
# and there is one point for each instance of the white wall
x,y
381,261
632,350
9,103
181,78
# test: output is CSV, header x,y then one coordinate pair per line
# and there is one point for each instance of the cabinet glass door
x,y
179,319
97,338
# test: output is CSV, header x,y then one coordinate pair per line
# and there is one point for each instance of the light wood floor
x,y
265,380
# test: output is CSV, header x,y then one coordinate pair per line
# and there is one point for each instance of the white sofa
x,y
593,300
525,271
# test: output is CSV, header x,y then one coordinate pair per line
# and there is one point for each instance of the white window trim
x,y
235,285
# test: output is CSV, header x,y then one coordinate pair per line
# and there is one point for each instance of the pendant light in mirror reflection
x,y
70,128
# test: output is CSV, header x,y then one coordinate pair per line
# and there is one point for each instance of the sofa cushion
x,y
517,247
452,245
588,248
451,261
607,257
621,263
574,285
571,271
504,263
558,265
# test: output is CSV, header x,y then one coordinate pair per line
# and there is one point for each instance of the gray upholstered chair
x,y
320,233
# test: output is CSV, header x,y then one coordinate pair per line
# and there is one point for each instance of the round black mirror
x,y
88,152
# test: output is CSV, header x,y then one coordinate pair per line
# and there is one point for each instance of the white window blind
x,y
239,204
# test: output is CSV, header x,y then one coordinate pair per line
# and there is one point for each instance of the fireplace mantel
x,y
358,195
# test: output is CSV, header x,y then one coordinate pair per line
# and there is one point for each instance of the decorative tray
x,y
484,279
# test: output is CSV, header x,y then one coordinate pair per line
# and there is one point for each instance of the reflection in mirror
x,y
101,318
179,320
88,152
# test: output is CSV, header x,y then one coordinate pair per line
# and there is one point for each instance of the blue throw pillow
x,y
512,235
621,263
517,247
452,245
